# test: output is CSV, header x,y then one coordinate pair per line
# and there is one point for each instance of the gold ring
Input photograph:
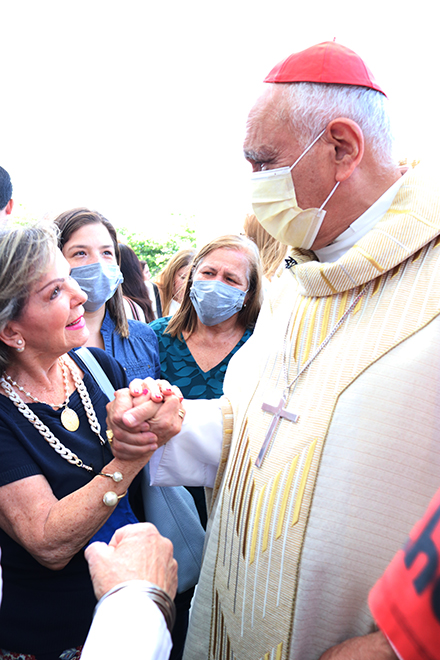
x,y
181,413
109,434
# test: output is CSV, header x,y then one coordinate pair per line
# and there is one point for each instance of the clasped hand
x,y
144,417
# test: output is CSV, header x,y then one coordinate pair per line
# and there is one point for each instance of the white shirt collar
x,y
360,227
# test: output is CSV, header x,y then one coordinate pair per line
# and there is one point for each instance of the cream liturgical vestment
x,y
296,544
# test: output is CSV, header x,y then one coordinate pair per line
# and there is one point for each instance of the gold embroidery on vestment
x,y
310,332
270,511
325,319
332,288
426,222
285,498
377,283
256,524
234,467
417,255
369,258
243,490
302,484
240,469
279,651
342,306
248,519
301,328
357,308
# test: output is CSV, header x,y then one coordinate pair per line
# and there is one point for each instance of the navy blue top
x,y
138,353
45,611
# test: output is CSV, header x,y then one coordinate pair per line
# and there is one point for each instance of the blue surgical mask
x,y
215,301
99,281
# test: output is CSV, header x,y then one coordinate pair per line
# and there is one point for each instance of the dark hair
x,y
133,285
68,223
185,319
5,188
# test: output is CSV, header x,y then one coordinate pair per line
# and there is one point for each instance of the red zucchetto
x,y
328,62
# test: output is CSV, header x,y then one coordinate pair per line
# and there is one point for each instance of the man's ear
x,y
347,140
9,207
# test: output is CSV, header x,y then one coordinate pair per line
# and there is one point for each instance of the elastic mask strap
x,y
322,205
308,149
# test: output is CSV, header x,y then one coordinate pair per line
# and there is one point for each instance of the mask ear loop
x,y
308,149
331,195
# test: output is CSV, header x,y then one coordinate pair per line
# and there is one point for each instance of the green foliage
x,y
158,254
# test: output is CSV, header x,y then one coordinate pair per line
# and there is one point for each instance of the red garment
x,y
406,600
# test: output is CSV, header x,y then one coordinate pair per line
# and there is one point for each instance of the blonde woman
x,y
220,305
60,484
171,280
272,252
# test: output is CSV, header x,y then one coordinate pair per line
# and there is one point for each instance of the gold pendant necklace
x,y
47,434
69,418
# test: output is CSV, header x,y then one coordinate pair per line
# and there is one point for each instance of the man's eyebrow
x,y
262,155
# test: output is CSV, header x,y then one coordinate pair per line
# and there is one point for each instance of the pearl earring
x,y
20,348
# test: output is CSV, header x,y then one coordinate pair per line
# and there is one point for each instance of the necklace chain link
x,y
324,343
47,434
34,398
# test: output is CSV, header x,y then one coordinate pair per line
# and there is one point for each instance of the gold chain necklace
x,y
47,434
69,418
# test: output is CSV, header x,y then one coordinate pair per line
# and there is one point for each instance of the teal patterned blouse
x,y
178,366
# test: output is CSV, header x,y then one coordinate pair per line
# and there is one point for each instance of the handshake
x,y
143,417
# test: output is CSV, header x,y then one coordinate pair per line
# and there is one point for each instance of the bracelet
x,y
111,499
116,476
155,593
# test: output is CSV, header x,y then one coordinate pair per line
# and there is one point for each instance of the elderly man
x,y
330,415
6,201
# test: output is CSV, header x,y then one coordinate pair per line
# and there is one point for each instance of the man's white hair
x,y
311,106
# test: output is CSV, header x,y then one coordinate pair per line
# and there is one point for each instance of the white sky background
x,y
137,109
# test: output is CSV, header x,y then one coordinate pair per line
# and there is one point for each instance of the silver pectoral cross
x,y
278,413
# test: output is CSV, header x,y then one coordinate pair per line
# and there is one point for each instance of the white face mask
x,y
275,206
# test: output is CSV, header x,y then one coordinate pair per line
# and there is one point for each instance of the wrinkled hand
x,y
144,417
135,552
134,440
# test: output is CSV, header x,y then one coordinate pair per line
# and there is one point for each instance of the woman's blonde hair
x,y
68,223
272,252
165,279
26,254
185,319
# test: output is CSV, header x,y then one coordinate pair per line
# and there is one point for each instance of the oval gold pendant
x,y
69,419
